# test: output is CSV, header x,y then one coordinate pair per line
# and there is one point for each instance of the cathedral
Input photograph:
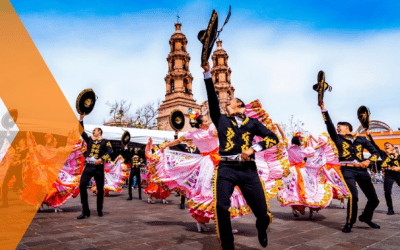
x,y
178,81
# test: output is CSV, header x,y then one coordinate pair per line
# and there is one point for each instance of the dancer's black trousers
x,y
13,170
361,176
135,172
245,176
96,171
390,178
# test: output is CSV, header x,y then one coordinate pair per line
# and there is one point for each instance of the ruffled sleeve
x,y
308,151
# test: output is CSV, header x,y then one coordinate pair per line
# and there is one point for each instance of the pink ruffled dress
x,y
193,174
331,171
302,188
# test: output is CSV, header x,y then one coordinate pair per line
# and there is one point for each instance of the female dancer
x,y
301,188
331,171
67,182
193,174
155,189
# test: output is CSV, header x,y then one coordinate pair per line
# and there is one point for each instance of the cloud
x,y
124,57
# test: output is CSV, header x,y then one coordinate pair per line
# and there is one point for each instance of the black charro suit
x,y
233,140
98,149
351,150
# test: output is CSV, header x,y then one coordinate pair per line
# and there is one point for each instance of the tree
x,y
293,126
145,116
119,113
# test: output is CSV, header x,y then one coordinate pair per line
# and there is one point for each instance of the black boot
x,y
370,223
390,212
347,228
100,213
130,197
83,215
182,206
263,238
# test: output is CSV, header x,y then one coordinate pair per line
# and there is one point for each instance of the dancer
x,y
331,171
136,162
98,153
237,167
354,169
191,148
391,166
67,182
195,173
15,168
301,188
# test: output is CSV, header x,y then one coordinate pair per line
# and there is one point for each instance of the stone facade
x,y
178,82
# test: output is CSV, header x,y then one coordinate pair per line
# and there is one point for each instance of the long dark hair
x,y
198,122
296,140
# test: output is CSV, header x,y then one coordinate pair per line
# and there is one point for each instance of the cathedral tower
x,y
221,75
178,82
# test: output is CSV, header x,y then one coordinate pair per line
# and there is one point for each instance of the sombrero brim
x,y
9,118
207,37
177,120
363,114
86,101
321,87
126,138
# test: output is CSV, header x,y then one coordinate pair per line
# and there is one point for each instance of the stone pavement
x,y
138,225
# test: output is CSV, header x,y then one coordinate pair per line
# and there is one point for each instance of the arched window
x,y
184,64
216,78
226,77
185,86
172,86
229,95
173,64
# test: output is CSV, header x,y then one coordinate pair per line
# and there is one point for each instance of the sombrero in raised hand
x,y
363,114
177,120
321,87
208,36
86,101
9,118
126,138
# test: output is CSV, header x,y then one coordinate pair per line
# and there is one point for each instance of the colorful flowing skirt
x,y
192,175
115,174
303,188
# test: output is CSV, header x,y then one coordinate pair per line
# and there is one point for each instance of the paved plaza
x,y
138,225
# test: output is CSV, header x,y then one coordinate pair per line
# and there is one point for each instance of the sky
x,y
275,48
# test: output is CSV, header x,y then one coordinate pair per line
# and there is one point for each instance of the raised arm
x,y
84,135
280,131
329,124
369,137
213,102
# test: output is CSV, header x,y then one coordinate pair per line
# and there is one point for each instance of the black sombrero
x,y
126,138
321,87
208,36
176,120
9,118
85,101
363,114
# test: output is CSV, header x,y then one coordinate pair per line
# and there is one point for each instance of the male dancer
x,y
135,171
354,169
98,152
15,169
188,148
237,167
391,166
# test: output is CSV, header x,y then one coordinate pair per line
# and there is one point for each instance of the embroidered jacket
x,y
128,154
19,156
233,139
387,160
349,150
97,148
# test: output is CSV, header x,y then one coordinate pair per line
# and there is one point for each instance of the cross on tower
x,y
177,17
